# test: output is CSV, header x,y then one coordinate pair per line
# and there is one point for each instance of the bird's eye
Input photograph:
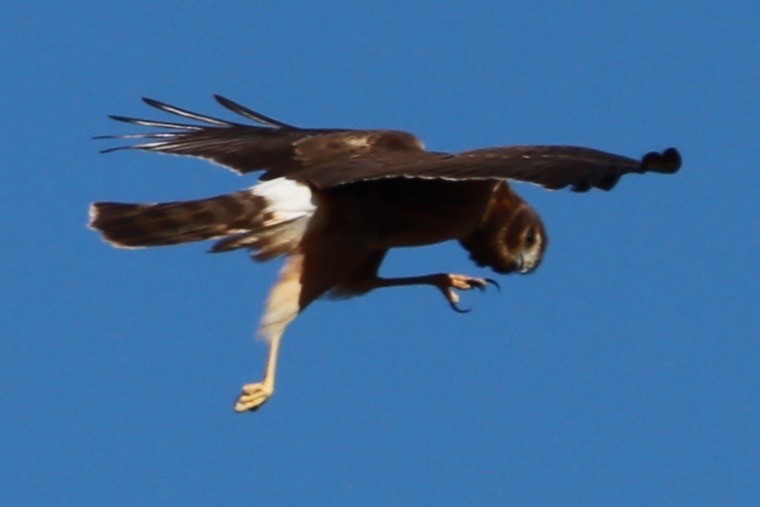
x,y
530,238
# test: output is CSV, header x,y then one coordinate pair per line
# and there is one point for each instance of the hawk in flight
x,y
334,201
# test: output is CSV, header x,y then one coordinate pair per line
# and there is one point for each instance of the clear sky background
x,y
625,371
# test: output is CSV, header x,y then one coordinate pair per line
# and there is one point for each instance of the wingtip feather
x,y
669,161
246,112
162,106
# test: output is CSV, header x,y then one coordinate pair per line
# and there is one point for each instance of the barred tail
x,y
142,225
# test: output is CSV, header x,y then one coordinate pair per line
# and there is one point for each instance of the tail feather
x,y
267,242
171,223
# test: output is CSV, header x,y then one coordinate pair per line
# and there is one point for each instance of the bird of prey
x,y
334,201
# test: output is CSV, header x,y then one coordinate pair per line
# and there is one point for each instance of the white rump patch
x,y
280,226
287,199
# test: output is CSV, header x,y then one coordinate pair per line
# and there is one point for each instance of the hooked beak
x,y
524,267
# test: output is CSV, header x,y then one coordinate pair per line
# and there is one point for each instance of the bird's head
x,y
511,236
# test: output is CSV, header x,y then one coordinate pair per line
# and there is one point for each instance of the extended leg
x,y
254,395
281,308
306,275
365,279
447,283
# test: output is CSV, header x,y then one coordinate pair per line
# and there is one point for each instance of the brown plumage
x,y
169,223
334,201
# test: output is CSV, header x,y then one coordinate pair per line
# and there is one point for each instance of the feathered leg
x,y
281,308
314,269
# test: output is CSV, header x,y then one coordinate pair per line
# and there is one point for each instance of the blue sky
x,y
623,372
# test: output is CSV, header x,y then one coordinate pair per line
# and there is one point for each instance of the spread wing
x,y
269,145
328,158
552,167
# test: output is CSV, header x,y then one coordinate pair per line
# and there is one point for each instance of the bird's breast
x,y
408,212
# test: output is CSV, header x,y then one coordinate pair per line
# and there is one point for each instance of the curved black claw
x,y
493,282
454,306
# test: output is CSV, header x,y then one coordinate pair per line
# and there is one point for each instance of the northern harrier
x,y
334,201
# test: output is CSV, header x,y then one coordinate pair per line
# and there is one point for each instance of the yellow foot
x,y
253,396
447,282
